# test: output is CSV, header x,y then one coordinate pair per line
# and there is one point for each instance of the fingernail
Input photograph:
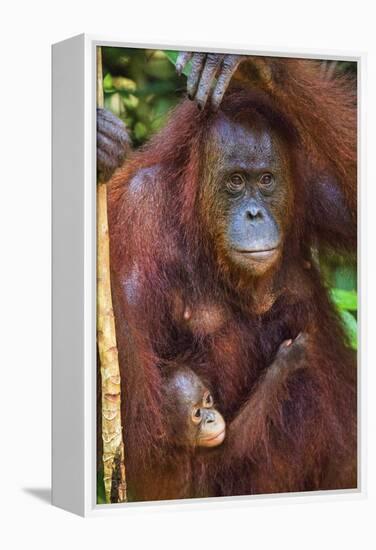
x,y
214,105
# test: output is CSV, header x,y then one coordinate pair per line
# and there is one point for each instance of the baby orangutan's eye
x,y
196,416
208,401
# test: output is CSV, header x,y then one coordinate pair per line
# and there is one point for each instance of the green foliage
x,y
345,299
346,302
141,87
101,496
341,278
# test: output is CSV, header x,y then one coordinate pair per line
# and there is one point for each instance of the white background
x,y
28,29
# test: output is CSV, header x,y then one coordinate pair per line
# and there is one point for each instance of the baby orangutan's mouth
x,y
214,440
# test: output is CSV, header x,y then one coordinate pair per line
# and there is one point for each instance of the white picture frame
x,y
74,279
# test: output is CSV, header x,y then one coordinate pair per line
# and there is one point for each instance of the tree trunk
x,y
113,446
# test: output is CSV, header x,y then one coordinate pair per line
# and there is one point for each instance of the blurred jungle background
x,y
141,87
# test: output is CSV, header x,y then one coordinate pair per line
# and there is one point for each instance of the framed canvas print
x,y
205,312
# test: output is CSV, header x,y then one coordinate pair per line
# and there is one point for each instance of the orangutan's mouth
x,y
259,254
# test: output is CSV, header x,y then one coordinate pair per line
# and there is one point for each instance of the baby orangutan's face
x,y
196,422
208,422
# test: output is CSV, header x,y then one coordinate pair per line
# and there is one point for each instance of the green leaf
x,y
123,84
107,82
101,497
350,327
172,56
345,299
114,102
131,101
140,131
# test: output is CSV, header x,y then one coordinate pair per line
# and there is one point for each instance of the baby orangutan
x,y
193,420
192,427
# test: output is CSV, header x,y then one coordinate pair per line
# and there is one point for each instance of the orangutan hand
x,y
211,74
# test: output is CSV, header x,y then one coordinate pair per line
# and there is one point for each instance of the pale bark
x,y
113,447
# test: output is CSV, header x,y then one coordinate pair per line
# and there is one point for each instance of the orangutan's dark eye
x,y
267,180
208,400
236,183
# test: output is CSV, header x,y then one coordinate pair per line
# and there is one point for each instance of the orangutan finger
x,y
198,61
229,66
182,60
209,72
